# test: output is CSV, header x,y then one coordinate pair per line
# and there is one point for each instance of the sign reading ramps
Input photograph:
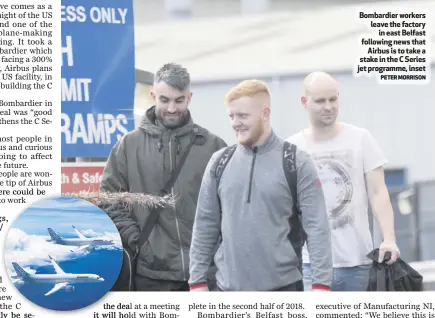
x,y
86,176
98,75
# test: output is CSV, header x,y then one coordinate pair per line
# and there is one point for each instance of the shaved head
x,y
319,81
320,98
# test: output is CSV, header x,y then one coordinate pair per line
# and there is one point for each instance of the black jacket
x,y
398,276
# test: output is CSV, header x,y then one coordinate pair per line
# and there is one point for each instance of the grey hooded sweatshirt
x,y
251,211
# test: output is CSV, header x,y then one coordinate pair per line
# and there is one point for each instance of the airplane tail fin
x,y
54,236
57,268
20,271
79,234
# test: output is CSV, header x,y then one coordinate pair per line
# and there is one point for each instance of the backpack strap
x,y
222,162
297,235
289,161
155,213
220,165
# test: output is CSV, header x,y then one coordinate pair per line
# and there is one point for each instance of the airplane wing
x,y
79,234
57,269
81,248
56,288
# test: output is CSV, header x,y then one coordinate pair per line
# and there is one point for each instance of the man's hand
x,y
383,212
391,247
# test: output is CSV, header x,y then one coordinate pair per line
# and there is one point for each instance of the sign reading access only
x,y
98,75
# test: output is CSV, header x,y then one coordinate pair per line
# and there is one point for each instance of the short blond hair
x,y
250,88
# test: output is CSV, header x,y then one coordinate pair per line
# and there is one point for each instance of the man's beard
x,y
254,135
173,122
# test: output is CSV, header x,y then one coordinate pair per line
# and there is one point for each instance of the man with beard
x,y
249,211
350,165
142,162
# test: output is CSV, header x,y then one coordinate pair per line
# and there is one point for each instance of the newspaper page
x,y
113,115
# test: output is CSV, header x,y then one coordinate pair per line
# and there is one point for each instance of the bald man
x,y
250,210
350,164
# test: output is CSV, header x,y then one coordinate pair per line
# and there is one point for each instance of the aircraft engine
x,y
69,288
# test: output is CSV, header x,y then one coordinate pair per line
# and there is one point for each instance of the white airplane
x,y
61,279
83,241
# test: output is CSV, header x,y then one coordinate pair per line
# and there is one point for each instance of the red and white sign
x,y
81,176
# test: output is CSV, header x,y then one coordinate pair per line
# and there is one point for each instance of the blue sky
x,y
61,213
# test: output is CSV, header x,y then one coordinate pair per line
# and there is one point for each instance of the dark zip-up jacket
x,y
141,162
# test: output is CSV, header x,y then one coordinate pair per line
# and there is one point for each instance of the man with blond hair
x,y
245,207
350,164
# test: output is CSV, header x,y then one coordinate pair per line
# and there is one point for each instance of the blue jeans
x,y
344,278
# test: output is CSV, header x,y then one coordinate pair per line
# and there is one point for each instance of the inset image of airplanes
x,y
83,241
61,279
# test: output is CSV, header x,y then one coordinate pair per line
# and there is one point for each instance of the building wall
x,y
400,117
152,11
